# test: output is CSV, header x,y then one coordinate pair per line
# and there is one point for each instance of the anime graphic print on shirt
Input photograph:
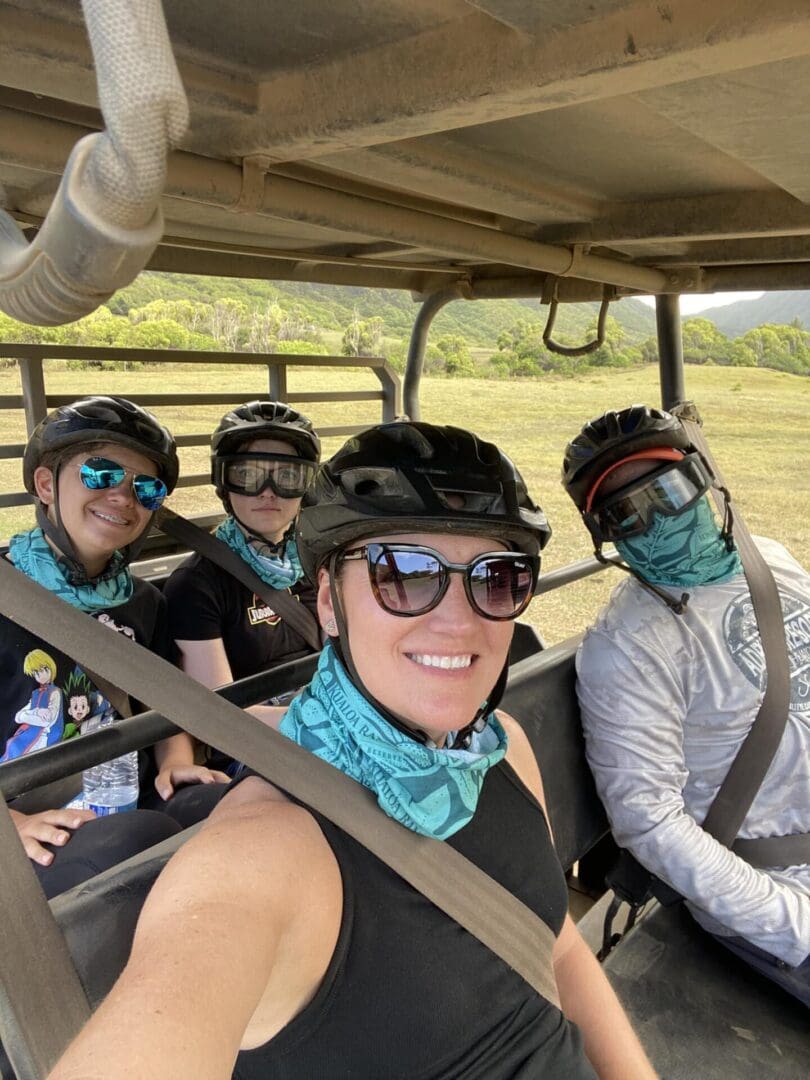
x,y
40,722
45,696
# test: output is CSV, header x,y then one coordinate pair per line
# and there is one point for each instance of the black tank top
x,y
409,994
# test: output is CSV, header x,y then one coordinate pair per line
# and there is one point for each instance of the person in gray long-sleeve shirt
x,y
668,696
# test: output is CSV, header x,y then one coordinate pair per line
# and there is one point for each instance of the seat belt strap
x,y
282,602
454,884
117,698
39,987
774,851
753,759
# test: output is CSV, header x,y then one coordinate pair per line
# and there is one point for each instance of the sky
x,y
699,302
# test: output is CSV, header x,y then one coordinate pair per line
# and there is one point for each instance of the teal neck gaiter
x,y
278,571
433,792
684,550
31,553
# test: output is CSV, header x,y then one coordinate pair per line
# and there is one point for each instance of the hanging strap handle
x,y
282,602
744,778
454,884
575,350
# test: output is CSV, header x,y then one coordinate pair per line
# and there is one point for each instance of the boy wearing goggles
x,y
424,544
97,470
263,457
671,678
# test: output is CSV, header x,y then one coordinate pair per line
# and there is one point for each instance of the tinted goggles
x,y
409,580
674,487
98,473
251,474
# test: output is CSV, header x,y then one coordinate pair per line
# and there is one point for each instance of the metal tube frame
x,y
670,349
416,346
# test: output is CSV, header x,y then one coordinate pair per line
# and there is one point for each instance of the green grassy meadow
x,y
756,421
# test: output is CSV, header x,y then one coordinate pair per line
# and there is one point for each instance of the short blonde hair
x,y
36,660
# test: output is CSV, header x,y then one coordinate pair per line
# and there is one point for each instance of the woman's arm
x,y
586,996
207,662
232,942
588,999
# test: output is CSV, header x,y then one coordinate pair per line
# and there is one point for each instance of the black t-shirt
x,y
46,696
206,602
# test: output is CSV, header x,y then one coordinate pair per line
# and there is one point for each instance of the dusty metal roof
x,y
413,143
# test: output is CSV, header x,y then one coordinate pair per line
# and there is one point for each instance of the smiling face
x,y
266,514
97,522
79,707
433,671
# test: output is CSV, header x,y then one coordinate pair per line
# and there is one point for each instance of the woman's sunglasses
x,y
251,474
98,473
674,487
409,580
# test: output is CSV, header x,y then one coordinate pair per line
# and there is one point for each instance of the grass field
x,y
756,422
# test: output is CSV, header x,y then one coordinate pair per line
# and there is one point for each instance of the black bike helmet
x,y
97,419
613,436
268,420
416,477
609,439
102,419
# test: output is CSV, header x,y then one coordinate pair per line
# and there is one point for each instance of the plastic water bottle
x,y
112,787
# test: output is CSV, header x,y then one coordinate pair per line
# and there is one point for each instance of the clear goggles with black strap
x,y
252,473
674,487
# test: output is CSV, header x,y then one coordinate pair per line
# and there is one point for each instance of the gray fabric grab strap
x,y
468,895
744,778
283,603
775,851
42,1002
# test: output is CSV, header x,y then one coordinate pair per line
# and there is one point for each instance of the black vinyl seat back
x,y
541,695
98,917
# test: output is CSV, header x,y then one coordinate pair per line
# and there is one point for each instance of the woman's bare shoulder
x,y
521,756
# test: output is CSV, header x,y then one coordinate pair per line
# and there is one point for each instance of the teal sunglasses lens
x,y
149,491
100,473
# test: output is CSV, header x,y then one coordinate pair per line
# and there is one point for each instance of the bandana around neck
x,y
31,553
433,792
277,571
684,550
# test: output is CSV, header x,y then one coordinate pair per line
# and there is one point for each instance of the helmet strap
x,y
59,536
56,531
727,531
676,606
341,646
276,548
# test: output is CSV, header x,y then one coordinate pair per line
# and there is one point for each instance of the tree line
x,y
231,325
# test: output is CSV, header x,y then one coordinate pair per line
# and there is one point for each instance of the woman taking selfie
x,y
309,956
